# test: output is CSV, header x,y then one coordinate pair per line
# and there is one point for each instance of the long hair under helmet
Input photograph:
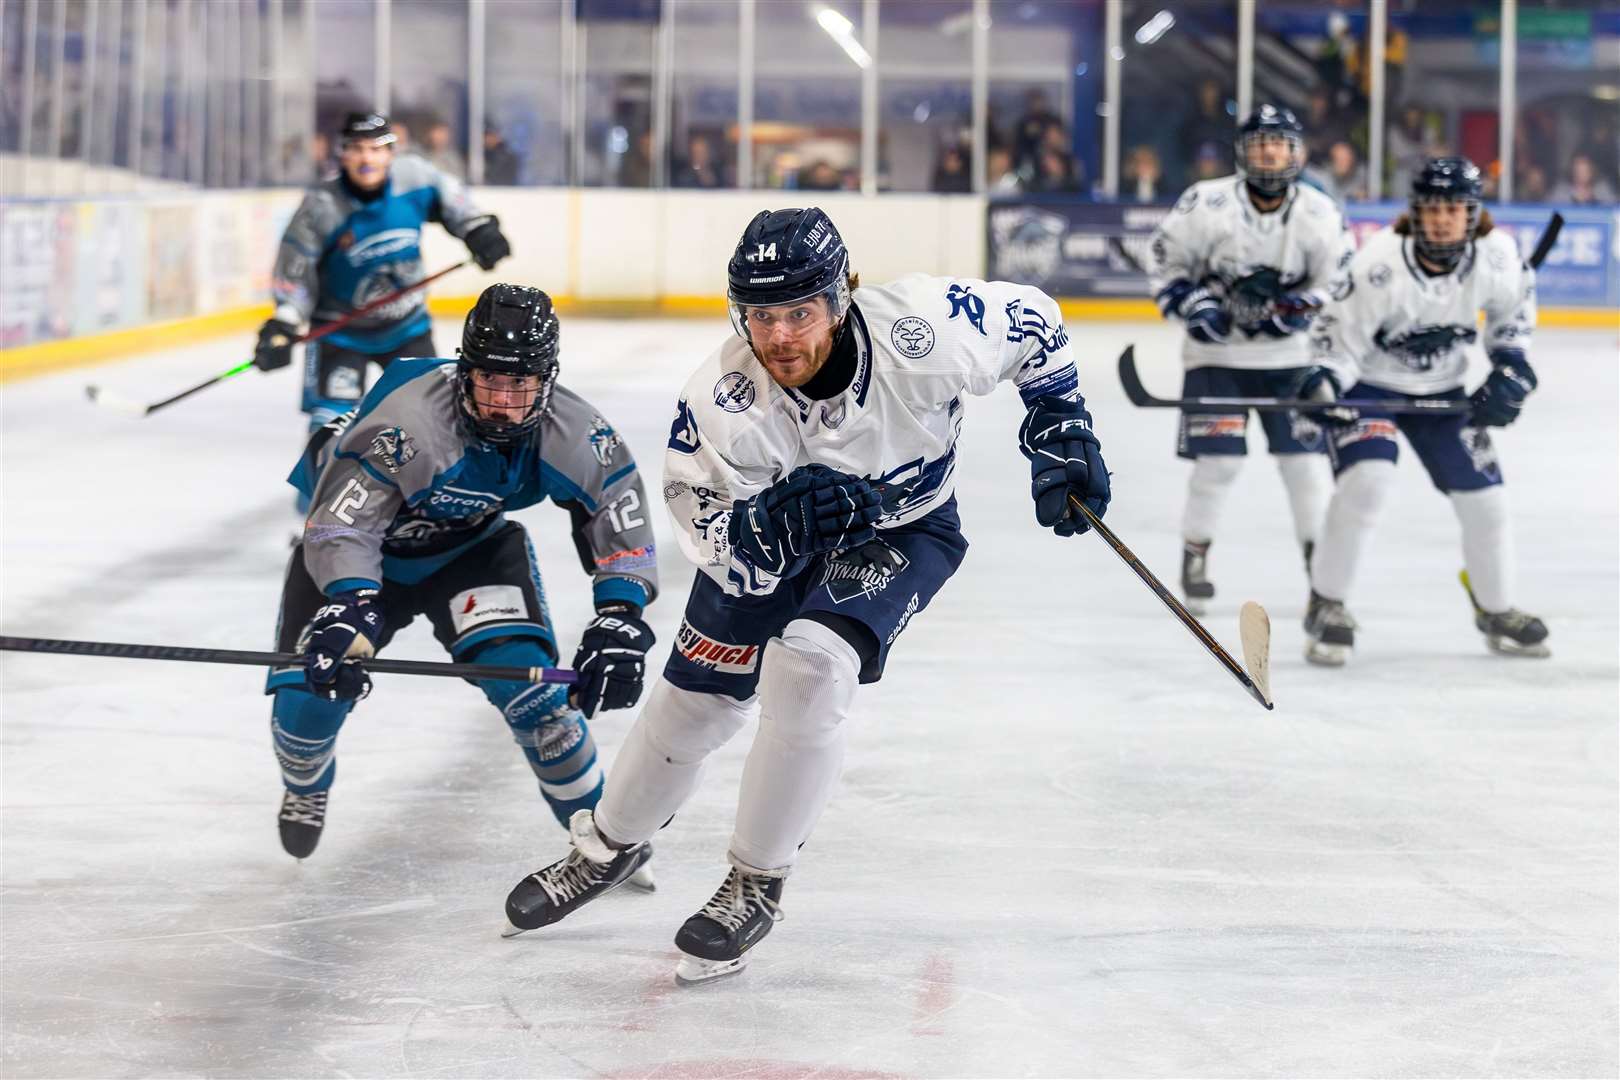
x,y
786,257
1445,180
512,330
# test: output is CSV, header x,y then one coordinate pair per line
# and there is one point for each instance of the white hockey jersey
x,y
921,343
1216,239
1396,327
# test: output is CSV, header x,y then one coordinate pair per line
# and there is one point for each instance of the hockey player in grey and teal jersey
x,y
355,238
409,494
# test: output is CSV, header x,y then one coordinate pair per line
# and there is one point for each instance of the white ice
x,y
1066,844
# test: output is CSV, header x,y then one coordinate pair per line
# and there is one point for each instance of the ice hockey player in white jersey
x,y
810,474
1398,331
1242,261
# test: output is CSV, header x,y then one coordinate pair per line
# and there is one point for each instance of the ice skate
x,y
1195,587
1330,632
1510,632
1309,548
715,941
301,820
589,870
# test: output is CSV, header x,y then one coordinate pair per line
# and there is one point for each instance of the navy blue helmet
x,y
512,331
1445,180
1271,122
785,257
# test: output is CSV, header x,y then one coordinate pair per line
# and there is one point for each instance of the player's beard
x,y
795,365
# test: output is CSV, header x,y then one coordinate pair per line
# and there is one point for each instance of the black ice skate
x,y
1330,632
1510,632
716,940
301,820
589,870
1195,587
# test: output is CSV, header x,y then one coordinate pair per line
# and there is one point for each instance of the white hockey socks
x,y
1207,488
1487,544
661,761
1309,480
1354,508
806,685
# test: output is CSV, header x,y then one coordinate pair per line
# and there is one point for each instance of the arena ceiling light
x,y
1155,28
842,31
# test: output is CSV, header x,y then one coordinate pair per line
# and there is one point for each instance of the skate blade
x,y
1326,655
512,930
693,970
643,879
1508,647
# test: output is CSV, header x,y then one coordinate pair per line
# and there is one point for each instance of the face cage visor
x,y
490,398
835,295
1444,253
1264,180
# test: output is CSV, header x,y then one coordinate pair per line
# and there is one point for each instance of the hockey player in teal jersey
x,y
409,494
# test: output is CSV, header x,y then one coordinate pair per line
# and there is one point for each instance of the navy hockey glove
x,y
346,628
1205,320
1291,313
1322,384
1064,458
487,244
611,659
811,510
1497,402
275,345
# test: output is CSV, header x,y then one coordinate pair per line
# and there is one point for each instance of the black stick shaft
x,y
282,659
1139,396
1194,627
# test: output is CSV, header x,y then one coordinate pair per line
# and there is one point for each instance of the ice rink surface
x,y
1066,844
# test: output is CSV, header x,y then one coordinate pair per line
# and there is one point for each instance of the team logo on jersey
x,y
683,433
721,656
1342,287
734,392
1378,276
963,302
393,449
1419,347
833,419
604,440
912,336
1188,200
863,572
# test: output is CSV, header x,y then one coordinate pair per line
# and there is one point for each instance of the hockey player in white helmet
x,y
1399,330
810,474
1242,262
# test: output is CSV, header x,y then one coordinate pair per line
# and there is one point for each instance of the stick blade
x,y
108,399
1254,629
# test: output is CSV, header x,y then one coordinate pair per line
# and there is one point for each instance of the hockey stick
x,y
283,659
1139,396
1549,237
1254,626
122,404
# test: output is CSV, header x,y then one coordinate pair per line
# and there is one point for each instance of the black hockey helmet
x,y
366,127
511,330
1445,180
784,257
1271,122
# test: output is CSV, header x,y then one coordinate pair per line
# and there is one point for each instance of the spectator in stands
x,y
1584,187
1209,162
1144,176
501,165
1001,177
1324,125
439,150
1034,129
1344,178
635,170
1533,185
951,173
820,176
698,169
1409,146
1209,125
1055,173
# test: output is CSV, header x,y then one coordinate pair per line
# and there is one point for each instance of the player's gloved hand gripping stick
x,y
270,345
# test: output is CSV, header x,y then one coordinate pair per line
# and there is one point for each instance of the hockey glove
x,y
275,345
487,244
811,510
1498,400
1322,384
611,660
1291,313
347,628
1065,459
1205,320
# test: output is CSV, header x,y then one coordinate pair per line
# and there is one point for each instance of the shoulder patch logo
x,y
912,336
604,440
734,392
683,433
1378,276
393,449
963,302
